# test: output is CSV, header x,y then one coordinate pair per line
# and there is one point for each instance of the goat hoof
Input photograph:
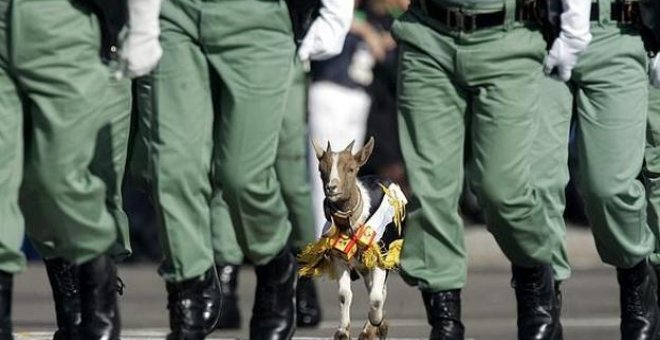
x,y
372,332
341,334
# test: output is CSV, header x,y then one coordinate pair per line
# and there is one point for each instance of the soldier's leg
x,y
255,67
250,121
293,172
11,159
652,170
12,260
549,164
431,131
179,115
501,133
611,138
59,67
291,162
66,213
179,140
505,106
110,158
108,164
612,105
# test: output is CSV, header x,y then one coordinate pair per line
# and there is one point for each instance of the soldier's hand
x,y
573,39
141,50
561,60
654,71
326,35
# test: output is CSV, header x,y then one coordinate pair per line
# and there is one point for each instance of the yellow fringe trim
x,y
315,259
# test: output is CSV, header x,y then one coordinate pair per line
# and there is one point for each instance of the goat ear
x,y
318,150
363,155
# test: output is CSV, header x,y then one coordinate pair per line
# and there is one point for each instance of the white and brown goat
x,y
347,205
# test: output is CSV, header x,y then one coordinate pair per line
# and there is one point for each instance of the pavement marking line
x,y
159,333
566,322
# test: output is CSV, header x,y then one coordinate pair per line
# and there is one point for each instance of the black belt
x,y
456,18
624,12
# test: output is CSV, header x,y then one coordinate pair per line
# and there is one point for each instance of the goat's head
x,y
339,169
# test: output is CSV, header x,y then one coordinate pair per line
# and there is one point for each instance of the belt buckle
x,y
457,19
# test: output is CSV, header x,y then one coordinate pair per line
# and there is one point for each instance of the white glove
x,y
573,39
140,50
654,71
326,35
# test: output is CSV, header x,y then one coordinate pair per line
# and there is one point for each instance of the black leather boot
x,y
230,317
307,303
6,285
639,302
536,301
98,299
213,300
63,277
443,312
559,302
274,310
187,304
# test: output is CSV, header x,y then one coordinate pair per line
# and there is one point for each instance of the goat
x,y
362,236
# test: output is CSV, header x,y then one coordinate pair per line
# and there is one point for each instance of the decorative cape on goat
x,y
375,243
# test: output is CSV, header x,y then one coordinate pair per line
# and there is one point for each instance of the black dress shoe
x,y
213,300
639,302
98,299
274,310
307,303
230,317
63,278
6,283
443,312
187,305
537,303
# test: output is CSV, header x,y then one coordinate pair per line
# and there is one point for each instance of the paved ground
x,y
591,300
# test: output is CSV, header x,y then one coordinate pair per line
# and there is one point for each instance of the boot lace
x,y
66,280
120,286
633,303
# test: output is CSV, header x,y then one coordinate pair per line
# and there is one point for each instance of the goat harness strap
x,y
343,218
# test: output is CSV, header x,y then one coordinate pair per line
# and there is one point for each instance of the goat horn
x,y
350,146
318,150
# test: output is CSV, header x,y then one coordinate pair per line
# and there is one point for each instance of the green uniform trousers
x,y
52,75
218,97
549,159
293,174
609,86
652,169
481,87
108,164
11,156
